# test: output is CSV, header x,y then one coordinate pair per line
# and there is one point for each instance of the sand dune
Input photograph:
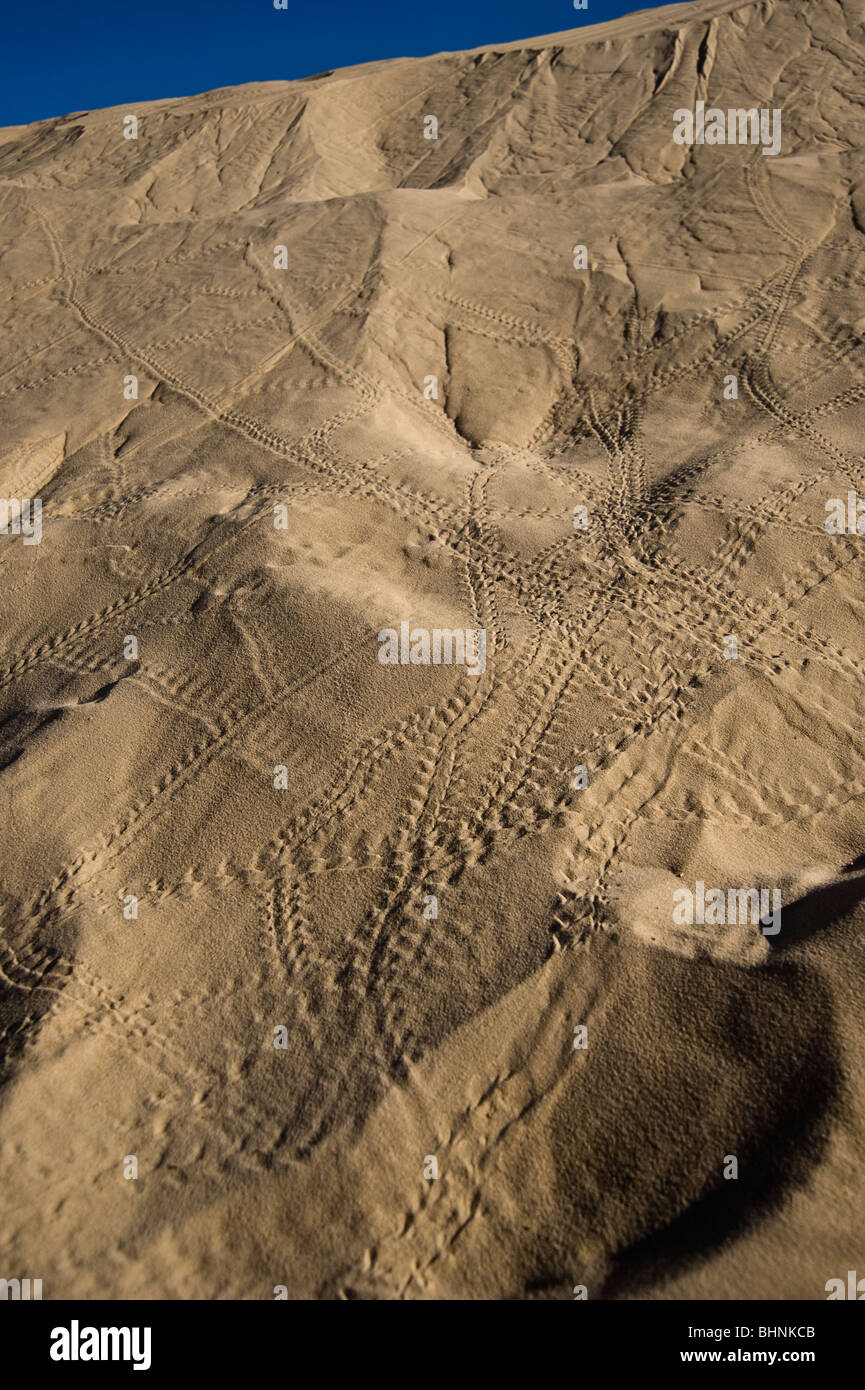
x,y
307,934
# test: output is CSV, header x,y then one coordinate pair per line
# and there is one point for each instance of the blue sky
x,y
76,55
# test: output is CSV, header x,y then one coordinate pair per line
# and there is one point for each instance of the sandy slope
x,y
303,907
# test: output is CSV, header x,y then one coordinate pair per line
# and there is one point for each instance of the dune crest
x,y
358,977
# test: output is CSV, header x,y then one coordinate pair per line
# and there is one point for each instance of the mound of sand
x,y
295,941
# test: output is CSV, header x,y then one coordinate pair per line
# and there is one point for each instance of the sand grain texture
x,y
303,907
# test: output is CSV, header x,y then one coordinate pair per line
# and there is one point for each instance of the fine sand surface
x,y
283,807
